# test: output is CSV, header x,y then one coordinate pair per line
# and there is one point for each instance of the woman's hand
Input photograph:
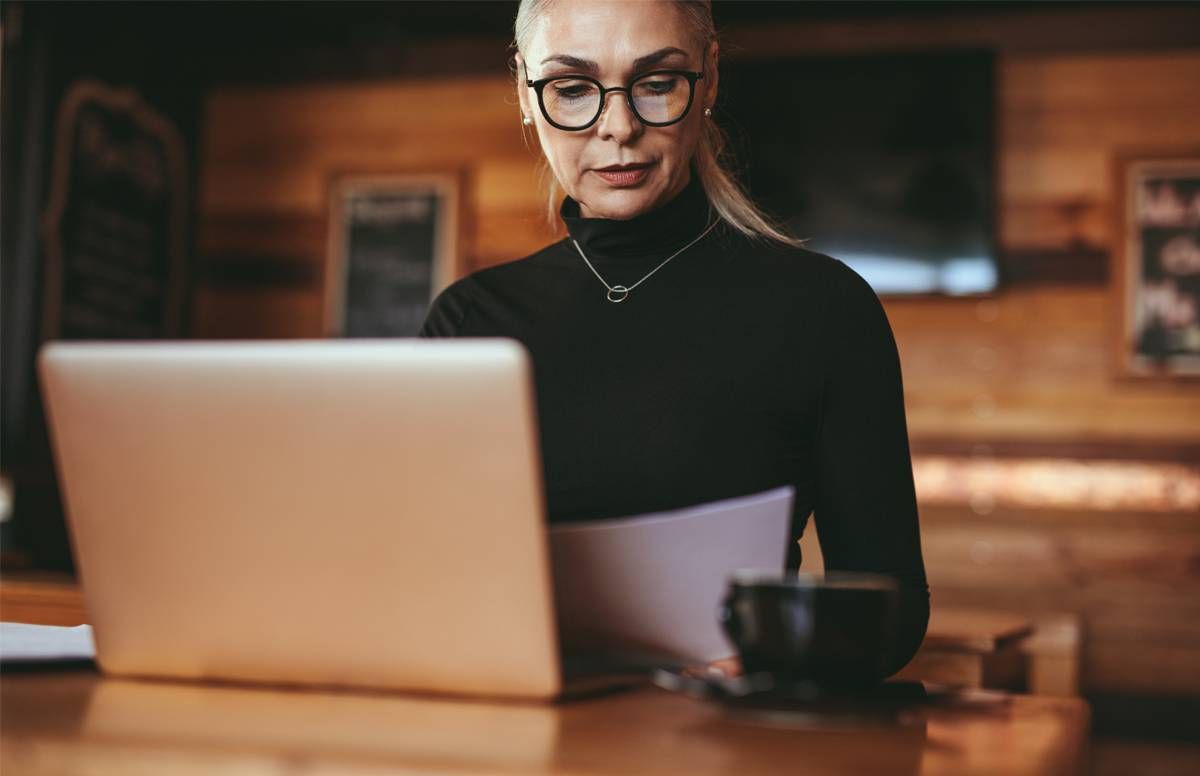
x,y
725,668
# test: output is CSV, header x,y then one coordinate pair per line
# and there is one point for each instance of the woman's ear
x,y
522,90
711,76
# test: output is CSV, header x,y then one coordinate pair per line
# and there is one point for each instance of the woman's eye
x,y
665,86
574,91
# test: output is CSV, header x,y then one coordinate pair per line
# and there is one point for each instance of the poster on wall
x,y
115,225
393,246
1157,265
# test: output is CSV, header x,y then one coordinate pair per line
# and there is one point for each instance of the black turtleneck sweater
x,y
739,366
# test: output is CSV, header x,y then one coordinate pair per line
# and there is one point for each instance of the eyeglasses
x,y
658,98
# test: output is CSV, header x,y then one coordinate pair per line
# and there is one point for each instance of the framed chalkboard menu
x,y
115,224
393,246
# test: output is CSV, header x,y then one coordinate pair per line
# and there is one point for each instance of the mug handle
x,y
728,618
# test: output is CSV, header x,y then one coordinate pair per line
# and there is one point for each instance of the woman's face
x,y
612,34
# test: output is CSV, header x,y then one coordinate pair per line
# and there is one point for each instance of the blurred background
x,y
1018,181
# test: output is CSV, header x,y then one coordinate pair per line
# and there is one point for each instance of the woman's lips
x,y
630,177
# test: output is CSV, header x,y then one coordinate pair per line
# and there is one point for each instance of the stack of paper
x,y
24,643
650,585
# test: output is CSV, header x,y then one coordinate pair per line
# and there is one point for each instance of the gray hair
x,y
711,162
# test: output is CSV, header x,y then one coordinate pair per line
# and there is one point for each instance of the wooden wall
x,y
1131,576
1031,362
1028,366
1034,361
269,155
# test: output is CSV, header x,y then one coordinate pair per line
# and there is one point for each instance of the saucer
x,y
759,698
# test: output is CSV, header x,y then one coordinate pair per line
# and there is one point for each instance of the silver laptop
x,y
348,513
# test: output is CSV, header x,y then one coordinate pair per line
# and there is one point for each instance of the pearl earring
x,y
708,113
526,121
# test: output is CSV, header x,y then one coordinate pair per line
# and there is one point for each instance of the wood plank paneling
x,y
296,234
1007,27
1030,362
1117,81
257,313
508,183
1061,120
1134,578
1056,223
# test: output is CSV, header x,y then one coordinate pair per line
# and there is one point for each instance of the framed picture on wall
x,y
394,244
1156,265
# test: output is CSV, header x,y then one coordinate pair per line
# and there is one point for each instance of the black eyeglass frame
x,y
692,77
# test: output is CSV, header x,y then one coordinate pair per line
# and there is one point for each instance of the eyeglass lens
x,y
656,97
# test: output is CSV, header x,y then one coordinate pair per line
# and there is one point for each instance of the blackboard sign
x,y
393,247
115,226
1156,264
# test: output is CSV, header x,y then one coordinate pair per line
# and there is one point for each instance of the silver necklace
x,y
619,293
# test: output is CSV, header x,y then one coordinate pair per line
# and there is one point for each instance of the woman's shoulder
x,y
841,281
513,270
846,294
517,270
452,305
803,267
846,302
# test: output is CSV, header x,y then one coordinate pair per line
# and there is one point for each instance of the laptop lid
x,y
360,513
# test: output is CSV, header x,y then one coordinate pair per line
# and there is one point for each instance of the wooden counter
x,y
962,647
73,721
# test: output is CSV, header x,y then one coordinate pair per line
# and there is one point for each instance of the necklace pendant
x,y
617,294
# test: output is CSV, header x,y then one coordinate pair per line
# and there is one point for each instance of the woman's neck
x,y
655,233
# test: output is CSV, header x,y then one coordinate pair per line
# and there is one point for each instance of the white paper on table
x,y
25,643
650,585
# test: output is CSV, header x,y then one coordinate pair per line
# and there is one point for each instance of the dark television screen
x,y
882,161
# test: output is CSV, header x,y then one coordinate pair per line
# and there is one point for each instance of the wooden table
x,y
74,721
962,647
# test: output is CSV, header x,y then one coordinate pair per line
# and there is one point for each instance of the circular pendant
x,y
617,294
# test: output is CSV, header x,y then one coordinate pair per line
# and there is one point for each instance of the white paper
x,y
23,642
650,585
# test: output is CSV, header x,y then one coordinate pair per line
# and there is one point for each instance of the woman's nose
x,y
617,119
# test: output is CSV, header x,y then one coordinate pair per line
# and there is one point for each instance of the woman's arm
x,y
866,506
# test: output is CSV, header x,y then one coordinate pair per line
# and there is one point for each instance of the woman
x,y
684,348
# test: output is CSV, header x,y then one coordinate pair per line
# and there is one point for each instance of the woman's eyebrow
x,y
589,66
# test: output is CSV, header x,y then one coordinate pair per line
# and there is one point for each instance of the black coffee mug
x,y
834,631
